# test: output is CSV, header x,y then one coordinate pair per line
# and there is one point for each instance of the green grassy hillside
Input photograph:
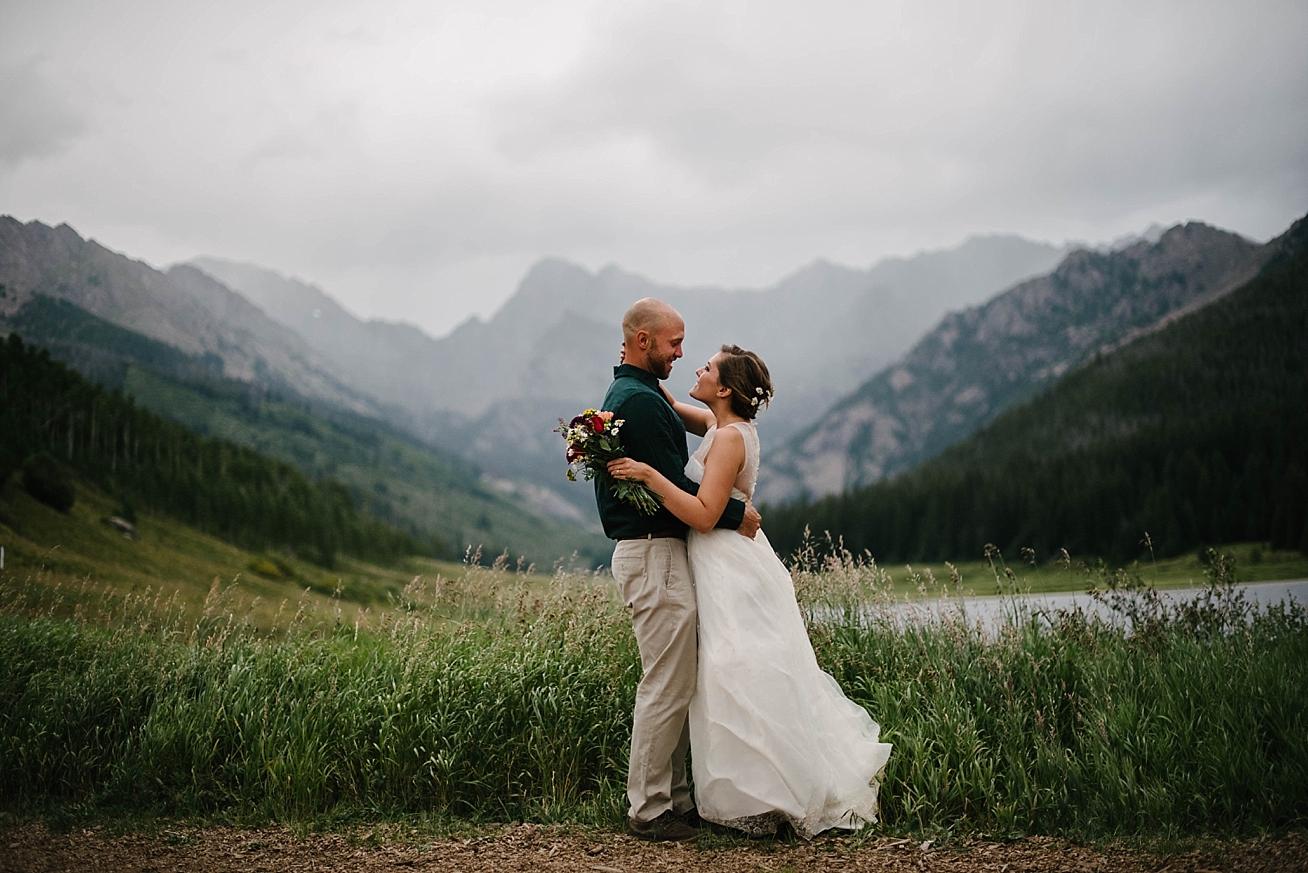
x,y
1193,434
77,562
53,423
392,476
434,495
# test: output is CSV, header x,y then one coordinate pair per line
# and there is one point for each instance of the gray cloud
x,y
37,121
326,130
1095,105
414,160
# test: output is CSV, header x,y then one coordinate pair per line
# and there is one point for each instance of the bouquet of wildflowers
x,y
593,441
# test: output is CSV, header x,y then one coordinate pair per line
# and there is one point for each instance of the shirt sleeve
x,y
650,433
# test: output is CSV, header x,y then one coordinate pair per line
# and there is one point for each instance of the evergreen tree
x,y
55,421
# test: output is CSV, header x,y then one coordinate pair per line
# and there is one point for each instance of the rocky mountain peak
x,y
983,359
184,309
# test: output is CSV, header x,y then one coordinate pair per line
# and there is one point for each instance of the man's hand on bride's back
x,y
750,525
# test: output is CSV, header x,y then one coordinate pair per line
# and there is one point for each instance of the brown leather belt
x,y
674,533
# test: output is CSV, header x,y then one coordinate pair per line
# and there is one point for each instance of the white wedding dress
x,y
772,737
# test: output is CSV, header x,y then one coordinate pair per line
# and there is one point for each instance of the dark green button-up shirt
x,y
652,433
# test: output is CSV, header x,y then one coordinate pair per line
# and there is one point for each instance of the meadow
x,y
502,696
75,558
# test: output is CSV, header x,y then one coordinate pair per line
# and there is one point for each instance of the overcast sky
x,y
414,158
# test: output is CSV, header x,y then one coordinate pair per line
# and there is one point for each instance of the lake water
x,y
990,612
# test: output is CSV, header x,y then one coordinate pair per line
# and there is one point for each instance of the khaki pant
x,y
653,578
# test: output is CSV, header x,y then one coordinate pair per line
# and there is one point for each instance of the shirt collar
x,y
634,372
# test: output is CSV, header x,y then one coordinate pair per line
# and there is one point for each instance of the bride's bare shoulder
x,y
728,440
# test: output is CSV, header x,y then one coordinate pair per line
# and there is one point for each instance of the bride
x,y
772,737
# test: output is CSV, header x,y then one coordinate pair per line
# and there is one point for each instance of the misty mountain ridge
x,y
386,360
191,349
982,360
1151,234
858,317
1192,432
550,349
492,389
183,308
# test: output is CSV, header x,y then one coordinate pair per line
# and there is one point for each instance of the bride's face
x,y
707,387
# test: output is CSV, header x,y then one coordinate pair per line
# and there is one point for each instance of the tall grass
x,y
504,699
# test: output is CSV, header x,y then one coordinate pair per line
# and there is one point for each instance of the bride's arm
x,y
697,419
701,511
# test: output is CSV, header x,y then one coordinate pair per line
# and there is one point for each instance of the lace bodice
x,y
747,478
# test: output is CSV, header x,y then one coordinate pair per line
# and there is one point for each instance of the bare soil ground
x,y
32,847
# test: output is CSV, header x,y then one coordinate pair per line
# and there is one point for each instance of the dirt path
x,y
31,848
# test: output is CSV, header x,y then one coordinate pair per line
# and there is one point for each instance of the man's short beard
x,y
661,367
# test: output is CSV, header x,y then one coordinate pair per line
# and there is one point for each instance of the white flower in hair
x,y
758,390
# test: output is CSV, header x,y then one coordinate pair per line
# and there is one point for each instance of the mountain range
x,y
496,388
823,317
189,348
1182,436
877,369
182,308
979,361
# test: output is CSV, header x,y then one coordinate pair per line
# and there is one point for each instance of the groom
x,y
650,567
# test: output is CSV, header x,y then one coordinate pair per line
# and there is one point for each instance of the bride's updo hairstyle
x,y
747,376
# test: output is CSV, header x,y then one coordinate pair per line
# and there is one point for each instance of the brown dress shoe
x,y
667,828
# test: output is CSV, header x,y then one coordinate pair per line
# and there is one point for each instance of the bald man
x,y
652,573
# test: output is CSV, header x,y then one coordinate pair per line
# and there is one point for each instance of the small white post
x,y
2,557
